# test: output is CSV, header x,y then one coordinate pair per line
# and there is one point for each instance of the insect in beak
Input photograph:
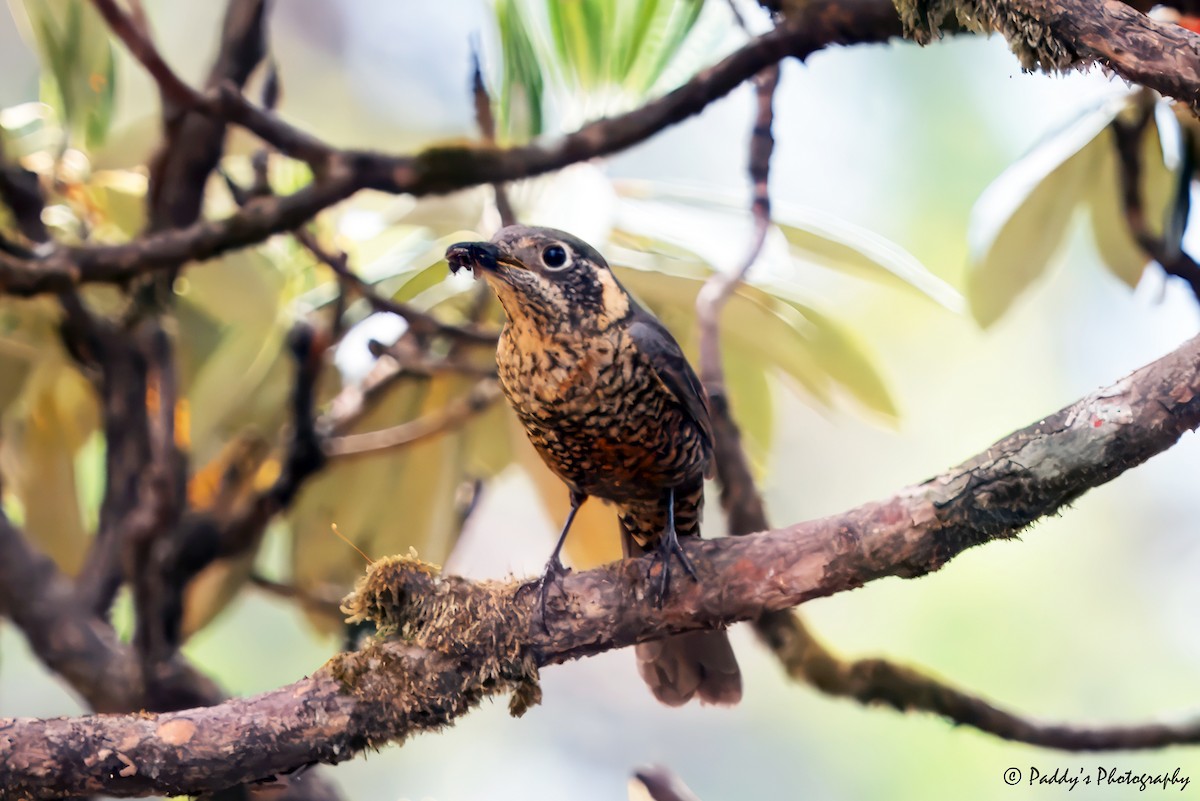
x,y
475,256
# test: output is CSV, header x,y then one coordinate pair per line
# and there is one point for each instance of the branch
x,y
437,170
879,681
454,414
487,126
803,655
1166,249
1058,35
420,322
71,641
659,783
134,36
464,640
22,193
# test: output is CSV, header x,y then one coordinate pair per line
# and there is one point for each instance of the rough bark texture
x,y
460,641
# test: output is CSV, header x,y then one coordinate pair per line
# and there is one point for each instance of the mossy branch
x,y
454,642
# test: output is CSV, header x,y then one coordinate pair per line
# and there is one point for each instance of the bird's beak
x,y
475,256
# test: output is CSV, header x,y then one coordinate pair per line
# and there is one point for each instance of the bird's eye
x,y
555,257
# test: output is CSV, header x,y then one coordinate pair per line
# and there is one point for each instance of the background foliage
x,y
846,387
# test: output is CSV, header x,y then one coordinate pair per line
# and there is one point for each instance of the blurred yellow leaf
x,y
384,503
1114,243
210,591
1020,220
43,429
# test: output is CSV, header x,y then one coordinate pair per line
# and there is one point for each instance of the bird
x,y
610,403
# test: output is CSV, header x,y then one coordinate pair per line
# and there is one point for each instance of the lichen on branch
x,y
477,623
1032,41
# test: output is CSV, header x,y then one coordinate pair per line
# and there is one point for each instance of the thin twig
x,y
445,419
420,322
1169,253
487,126
329,606
143,49
718,289
441,169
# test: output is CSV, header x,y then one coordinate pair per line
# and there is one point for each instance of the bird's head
x,y
545,277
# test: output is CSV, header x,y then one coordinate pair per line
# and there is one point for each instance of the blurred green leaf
x,y
843,246
784,332
119,198
236,316
29,128
518,109
79,74
599,56
746,377
838,351
668,28
812,235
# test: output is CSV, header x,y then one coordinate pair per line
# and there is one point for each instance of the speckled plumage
x,y
606,425
613,408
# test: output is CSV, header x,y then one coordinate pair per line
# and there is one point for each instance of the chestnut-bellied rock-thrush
x,y
615,410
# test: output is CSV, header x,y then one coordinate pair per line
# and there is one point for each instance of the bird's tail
x,y
698,664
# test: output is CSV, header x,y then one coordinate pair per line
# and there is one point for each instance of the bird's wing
x,y
672,368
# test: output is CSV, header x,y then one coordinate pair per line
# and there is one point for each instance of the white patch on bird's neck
x,y
613,298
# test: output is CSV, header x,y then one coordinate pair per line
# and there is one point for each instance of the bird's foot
x,y
668,546
553,575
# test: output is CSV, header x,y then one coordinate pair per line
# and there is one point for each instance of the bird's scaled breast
x,y
596,412
558,377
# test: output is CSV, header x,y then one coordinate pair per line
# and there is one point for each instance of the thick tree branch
x,y
71,641
1056,35
467,640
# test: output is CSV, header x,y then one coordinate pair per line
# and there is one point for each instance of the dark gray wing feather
x,y
657,344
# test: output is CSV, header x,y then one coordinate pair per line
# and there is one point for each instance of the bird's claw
x,y
553,574
668,546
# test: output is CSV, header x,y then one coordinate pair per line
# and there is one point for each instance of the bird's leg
x,y
668,546
555,569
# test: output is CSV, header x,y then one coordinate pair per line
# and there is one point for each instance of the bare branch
x,y
437,170
22,193
1163,57
879,681
420,322
661,784
487,126
1166,249
467,640
73,642
136,39
803,655
718,289
454,414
